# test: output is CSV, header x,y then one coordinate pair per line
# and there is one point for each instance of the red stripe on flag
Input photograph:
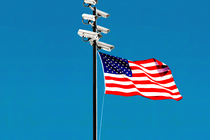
x,y
137,93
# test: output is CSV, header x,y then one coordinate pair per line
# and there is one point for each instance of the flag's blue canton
x,y
115,65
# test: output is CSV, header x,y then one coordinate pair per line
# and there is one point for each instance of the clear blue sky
x,y
46,69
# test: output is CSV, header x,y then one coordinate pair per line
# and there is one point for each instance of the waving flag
x,y
149,78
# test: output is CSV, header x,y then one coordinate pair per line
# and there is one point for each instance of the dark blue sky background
x,y
46,69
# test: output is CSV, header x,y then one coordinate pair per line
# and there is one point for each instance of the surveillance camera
x,y
102,45
89,34
102,29
102,14
89,17
91,2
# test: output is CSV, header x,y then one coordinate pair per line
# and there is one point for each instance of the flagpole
x,y
94,82
92,37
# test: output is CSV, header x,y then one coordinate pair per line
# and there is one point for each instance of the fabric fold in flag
x,y
148,78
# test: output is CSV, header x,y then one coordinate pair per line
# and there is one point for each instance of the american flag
x,y
149,78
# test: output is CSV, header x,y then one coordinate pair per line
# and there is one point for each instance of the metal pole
x,y
94,82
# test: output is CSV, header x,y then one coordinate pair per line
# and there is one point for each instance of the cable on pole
x,y
102,112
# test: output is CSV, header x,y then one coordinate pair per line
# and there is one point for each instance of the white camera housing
x,y
89,17
102,14
102,45
92,2
102,29
89,34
